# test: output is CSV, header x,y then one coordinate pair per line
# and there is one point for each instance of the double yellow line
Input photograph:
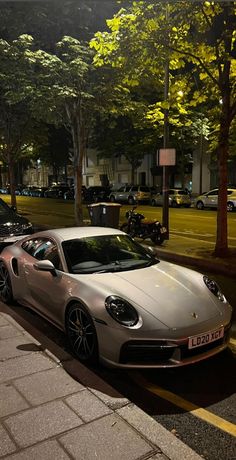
x,y
193,409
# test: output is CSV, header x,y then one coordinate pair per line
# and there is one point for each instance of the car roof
x,y
70,233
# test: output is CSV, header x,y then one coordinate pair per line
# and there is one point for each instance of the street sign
x,y
166,157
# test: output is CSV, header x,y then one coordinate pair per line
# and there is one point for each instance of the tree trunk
x,y
221,247
11,169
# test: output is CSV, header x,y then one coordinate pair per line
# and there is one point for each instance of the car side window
x,y
43,249
213,192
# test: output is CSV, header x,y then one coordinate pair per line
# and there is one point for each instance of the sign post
x,y
166,157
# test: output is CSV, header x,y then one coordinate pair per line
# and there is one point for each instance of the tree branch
x,y
187,53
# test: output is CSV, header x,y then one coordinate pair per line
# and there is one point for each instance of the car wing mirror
x,y
45,266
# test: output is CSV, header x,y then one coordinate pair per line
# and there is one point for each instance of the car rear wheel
x,y
230,206
5,284
174,204
81,334
157,238
153,203
112,199
200,205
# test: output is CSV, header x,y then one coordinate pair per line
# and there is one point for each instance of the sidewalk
x,y
197,253
53,407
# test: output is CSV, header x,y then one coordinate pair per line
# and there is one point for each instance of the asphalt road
x,y
189,222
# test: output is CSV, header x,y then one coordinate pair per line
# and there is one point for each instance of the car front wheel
x,y
5,284
81,334
230,206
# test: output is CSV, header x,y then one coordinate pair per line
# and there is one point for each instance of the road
x,y
194,223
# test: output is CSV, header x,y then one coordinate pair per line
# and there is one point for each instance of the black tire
x,y
230,206
153,203
124,228
130,200
112,199
174,204
157,238
200,205
5,284
129,229
81,334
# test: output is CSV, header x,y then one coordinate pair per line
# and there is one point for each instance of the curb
x,y
161,441
213,266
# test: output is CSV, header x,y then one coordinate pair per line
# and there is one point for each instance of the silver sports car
x,y
114,299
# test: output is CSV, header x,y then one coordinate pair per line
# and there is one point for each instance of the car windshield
x,y
106,253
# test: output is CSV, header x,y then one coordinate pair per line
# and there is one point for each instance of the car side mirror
x,y
45,266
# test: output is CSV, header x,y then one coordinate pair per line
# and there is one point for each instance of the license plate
x,y
204,339
163,230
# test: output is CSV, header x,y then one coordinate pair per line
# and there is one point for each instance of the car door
x,y
212,199
47,293
121,194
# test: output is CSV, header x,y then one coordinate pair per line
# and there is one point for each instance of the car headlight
x,y
121,311
214,288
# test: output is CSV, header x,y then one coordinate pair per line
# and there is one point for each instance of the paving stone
x,y
24,365
17,346
3,320
105,439
111,401
9,331
88,406
6,445
171,446
10,400
43,386
38,424
45,451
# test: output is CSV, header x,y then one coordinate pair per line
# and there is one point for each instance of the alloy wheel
x,y
230,207
81,334
5,284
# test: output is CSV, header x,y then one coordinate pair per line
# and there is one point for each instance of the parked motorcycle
x,y
135,227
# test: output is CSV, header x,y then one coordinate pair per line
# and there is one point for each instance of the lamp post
x,y
165,185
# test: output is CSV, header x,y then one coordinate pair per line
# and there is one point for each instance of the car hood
x,y
11,223
174,295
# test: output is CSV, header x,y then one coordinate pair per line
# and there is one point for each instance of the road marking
x,y
178,401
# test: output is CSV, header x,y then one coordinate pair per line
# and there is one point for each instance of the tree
x,y
200,42
19,130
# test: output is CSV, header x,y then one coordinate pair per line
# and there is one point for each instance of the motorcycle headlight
x,y
121,311
214,288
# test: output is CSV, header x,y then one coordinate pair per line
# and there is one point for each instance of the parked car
x,y
12,223
56,191
96,193
210,199
101,287
28,190
131,194
5,190
70,194
177,198
38,192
